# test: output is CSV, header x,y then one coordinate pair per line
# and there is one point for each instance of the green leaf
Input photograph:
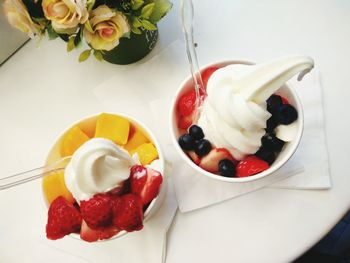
x,y
148,25
136,22
70,44
147,10
88,26
78,37
161,8
84,55
136,4
90,4
51,33
136,30
98,55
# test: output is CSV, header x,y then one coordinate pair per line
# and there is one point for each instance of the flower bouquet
x,y
118,31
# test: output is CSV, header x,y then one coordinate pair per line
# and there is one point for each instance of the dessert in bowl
x,y
249,122
113,180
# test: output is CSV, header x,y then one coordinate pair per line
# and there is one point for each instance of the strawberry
x,y
63,219
91,235
210,162
251,165
145,182
186,103
284,100
97,211
194,157
127,212
185,121
206,75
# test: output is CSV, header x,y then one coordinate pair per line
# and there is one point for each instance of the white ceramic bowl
x,y
87,121
287,151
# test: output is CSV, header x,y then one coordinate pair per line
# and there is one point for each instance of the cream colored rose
x,y
105,27
65,15
18,16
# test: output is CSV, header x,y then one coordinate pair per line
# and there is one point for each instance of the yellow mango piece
x,y
54,186
72,140
112,127
136,139
146,152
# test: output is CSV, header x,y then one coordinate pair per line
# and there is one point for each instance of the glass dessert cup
x,y
288,150
87,125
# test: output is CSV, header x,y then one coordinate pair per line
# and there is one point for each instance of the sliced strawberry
x,y
63,219
145,184
194,157
210,162
186,103
91,235
127,212
97,211
185,121
251,165
206,75
284,100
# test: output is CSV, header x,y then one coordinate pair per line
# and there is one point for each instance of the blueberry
x,y
186,142
202,147
271,142
227,168
271,124
196,132
266,154
286,114
273,103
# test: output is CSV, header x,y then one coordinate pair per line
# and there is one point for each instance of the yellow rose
x,y
105,27
65,15
18,16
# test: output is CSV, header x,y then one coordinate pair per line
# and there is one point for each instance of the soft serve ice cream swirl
x,y
234,113
97,166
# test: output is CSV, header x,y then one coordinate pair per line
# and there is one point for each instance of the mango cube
x,y
72,140
54,186
136,139
146,152
112,127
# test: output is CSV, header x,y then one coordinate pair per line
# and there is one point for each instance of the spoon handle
x,y
187,16
27,176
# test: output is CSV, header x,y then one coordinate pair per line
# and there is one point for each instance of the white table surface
x,y
43,90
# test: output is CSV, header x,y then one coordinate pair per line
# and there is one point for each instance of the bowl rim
x,y
153,140
283,161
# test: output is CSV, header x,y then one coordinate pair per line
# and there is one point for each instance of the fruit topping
x,y
97,211
147,152
136,138
186,103
251,165
112,127
266,154
145,182
202,147
91,235
72,140
186,142
127,212
206,75
196,132
194,157
271,124
185,121
54,186
273,103
211,161
284,100
286,114
271,142
227,168
63,219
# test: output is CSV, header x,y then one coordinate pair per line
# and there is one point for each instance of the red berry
x,y
210,162
206,75
145,184
284,100
127,212
63,219
251,165
186,103
91,235
185,121
97,211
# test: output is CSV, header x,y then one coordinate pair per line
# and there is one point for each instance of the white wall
x,y
10,38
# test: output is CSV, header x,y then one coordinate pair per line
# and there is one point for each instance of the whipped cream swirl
x,y
97,166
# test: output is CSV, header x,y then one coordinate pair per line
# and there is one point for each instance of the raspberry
x,y
250,166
